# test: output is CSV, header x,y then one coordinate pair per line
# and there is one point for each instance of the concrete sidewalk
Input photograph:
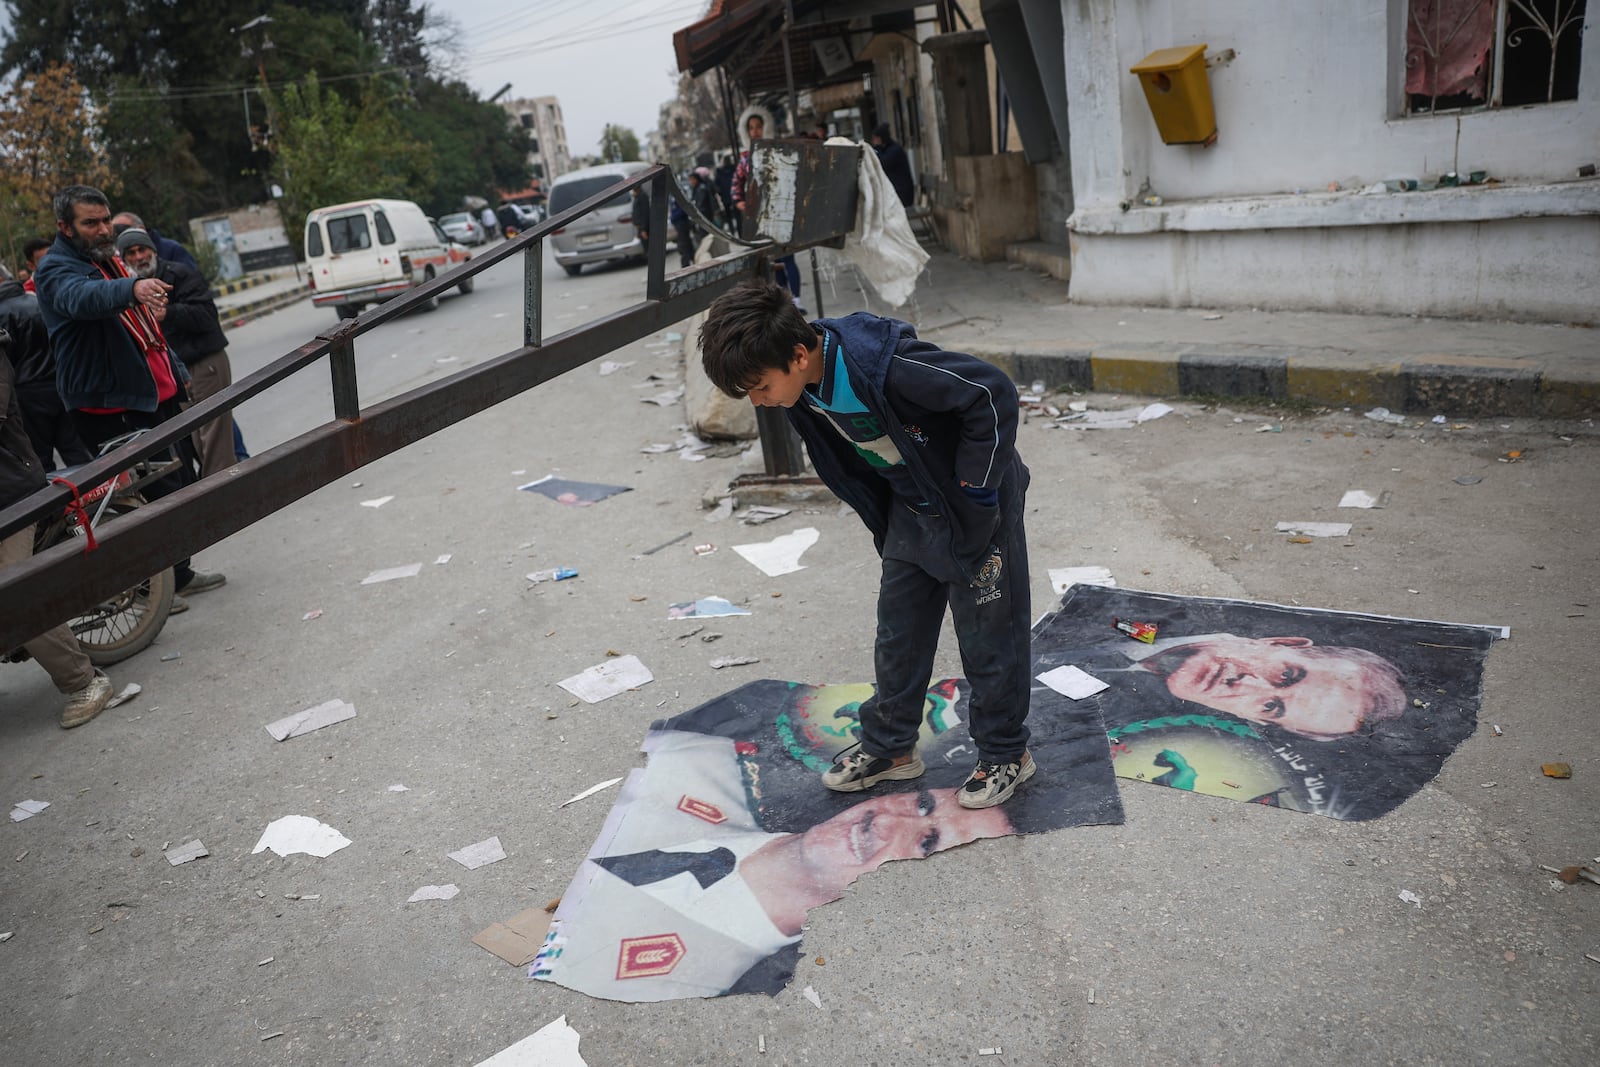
x,y
1020,319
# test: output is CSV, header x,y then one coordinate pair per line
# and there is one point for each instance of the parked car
x,y
455,250
463,227
605,234
367,251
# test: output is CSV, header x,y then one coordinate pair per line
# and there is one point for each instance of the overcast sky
x,y
607,60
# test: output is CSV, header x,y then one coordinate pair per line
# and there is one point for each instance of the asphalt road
x,y
1207,931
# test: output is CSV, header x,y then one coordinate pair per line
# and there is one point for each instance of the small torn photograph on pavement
x,y
1334,713
714,852
572,494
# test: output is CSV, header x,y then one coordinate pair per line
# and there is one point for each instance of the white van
x,y
367,251
606,233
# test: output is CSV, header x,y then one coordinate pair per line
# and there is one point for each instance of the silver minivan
x,y
606,233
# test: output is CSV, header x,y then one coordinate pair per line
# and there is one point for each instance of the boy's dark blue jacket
x,y
953,418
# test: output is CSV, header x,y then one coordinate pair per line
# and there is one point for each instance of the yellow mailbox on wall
x,y
1179,94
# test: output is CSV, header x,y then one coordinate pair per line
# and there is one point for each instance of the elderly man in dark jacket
x,y
896,166
87,689
113,368
166,247
190,322
50,428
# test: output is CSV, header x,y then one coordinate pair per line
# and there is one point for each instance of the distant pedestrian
x,y
640,210
189,321
33,250
487,217
724,183
57,650
113,368
896,165
922,444
682,231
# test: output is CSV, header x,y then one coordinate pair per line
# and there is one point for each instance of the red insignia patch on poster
x,y
700,809
647,957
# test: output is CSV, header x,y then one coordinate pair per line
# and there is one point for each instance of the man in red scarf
x,y
113,368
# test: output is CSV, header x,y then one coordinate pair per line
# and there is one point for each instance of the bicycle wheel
x,y
119,626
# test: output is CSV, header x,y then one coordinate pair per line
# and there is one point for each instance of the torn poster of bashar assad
x,y
715,850
1335,713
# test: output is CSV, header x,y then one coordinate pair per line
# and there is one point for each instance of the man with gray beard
x,y
113,368
189,320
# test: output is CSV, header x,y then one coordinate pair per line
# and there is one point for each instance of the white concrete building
x,y
1308,95
547,136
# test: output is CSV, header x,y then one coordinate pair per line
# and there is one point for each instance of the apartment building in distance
x,y
547,135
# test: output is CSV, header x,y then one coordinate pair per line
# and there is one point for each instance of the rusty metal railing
x,y
63,581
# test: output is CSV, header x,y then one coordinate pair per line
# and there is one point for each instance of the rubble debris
x,y
1557,770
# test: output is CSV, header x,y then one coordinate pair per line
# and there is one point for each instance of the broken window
x,y
1472,54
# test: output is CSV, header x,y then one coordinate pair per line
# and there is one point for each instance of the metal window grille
x,y
1470,55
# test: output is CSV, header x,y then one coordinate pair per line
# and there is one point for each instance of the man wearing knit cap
x,y
189,320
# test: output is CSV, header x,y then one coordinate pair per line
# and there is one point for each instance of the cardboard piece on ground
x,y
303,722
191,850
480,854
1073,682
410,570
781,555
552,1045
607,679
518,939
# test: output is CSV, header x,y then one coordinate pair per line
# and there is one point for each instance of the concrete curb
x,y
239,314
1462,385
249,282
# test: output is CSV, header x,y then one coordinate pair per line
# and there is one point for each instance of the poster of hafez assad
x,y
701,877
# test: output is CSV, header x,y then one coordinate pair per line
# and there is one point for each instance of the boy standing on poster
x,y
922,444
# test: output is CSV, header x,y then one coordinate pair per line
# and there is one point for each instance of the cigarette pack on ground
x,y
1139,631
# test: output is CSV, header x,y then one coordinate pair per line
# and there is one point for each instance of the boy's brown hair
x,y
748,331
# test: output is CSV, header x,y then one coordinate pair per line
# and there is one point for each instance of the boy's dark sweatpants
x,y
992,627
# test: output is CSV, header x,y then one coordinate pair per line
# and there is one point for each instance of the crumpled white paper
x,y
300,833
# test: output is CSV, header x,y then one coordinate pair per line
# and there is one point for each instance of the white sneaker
x,y
87,702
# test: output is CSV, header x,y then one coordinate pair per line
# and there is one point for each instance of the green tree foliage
x,y
477,150
176,88
618,144
328,150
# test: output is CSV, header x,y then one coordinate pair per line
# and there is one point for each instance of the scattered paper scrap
x,y
1385,415
398,788
434,892
1410,898
479,855
705,549
611,366
300,833
607,679
553,1045
410,570
377,503
1315,529
443,559
572,494
1358,498
1073,682
758,514
27,809
8,935
997,1050
781,555
551,574
303,722
704,608
170,656
1062,578
315,613
189,850
732,661
518,939
129,691
591,791
811,995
